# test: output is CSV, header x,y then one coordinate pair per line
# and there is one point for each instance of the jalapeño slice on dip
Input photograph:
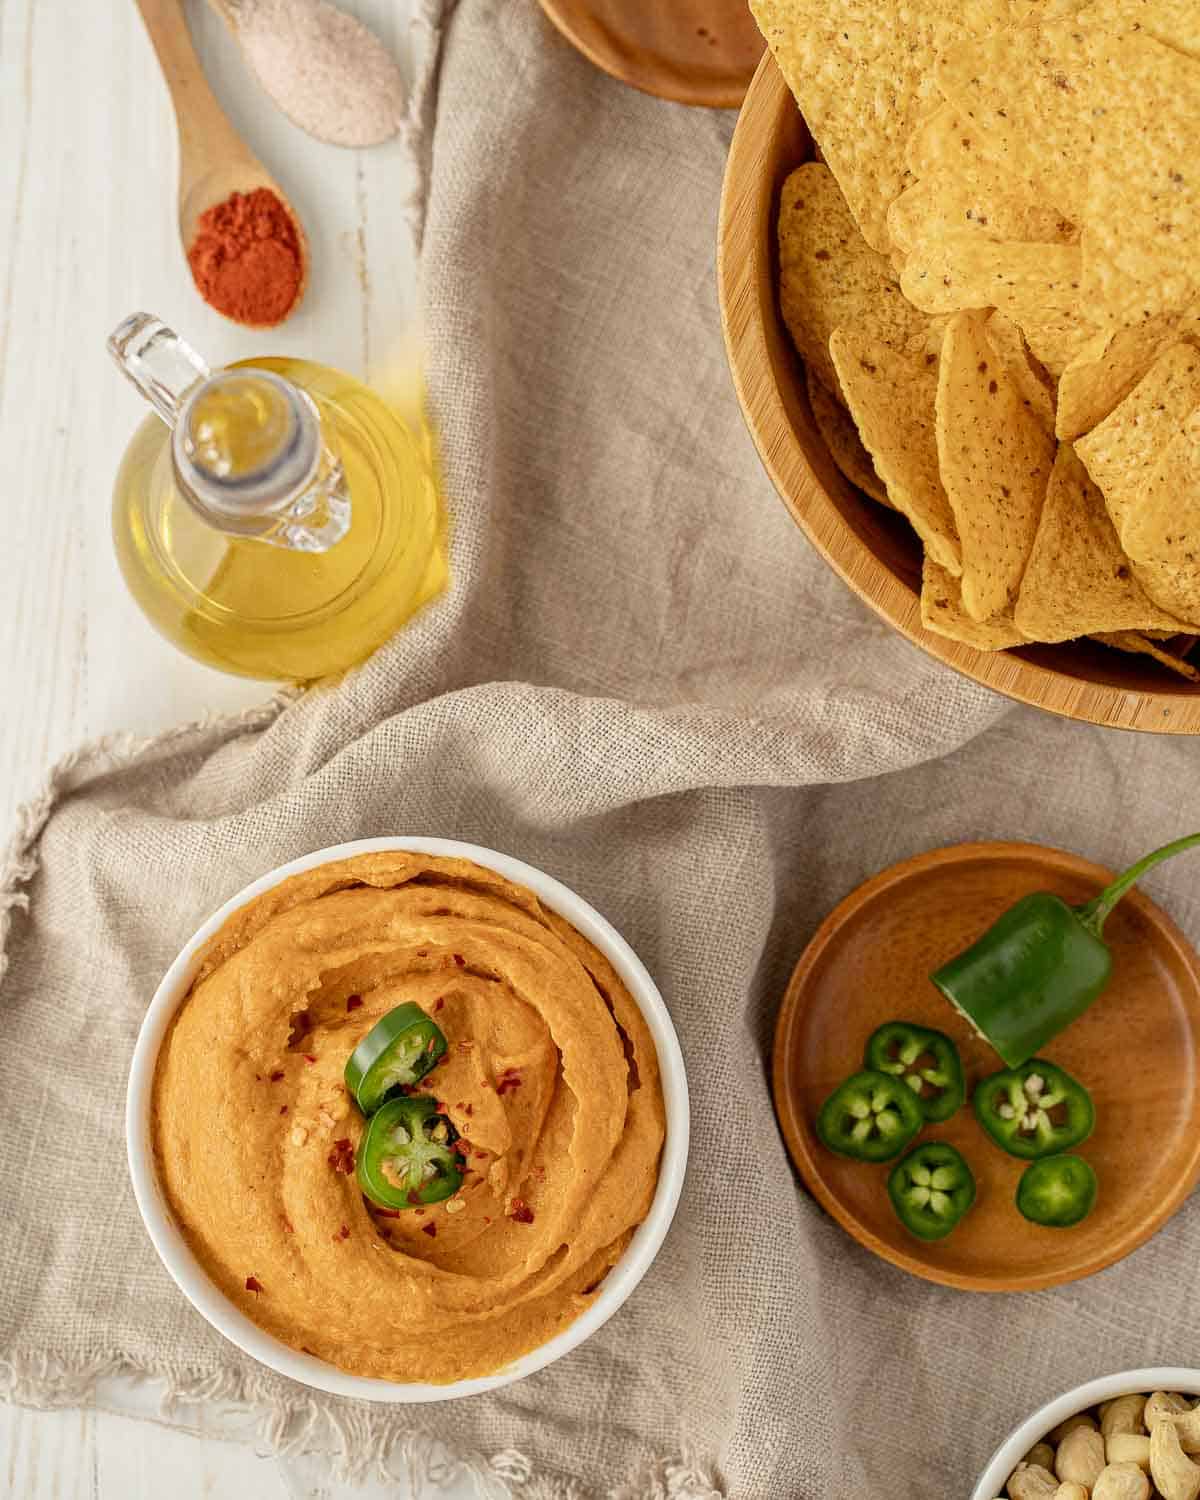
x,y
406,1158
397,1052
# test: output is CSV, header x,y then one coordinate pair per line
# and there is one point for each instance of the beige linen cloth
x,y
645,682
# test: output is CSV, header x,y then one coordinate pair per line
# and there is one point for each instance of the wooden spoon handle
x,y
205,133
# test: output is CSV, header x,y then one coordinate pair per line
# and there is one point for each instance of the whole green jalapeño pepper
x,y
397,1052
931,1190
872,1117
1035,1110
1040,965
1057,1191
406,1158
926,1060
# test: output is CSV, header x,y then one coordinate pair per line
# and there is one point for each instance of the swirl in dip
x,y
550,1077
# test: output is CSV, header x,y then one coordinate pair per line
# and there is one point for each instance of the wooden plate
x,y
693,51
1135,1050
873,549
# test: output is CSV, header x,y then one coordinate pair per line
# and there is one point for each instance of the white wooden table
x,y
87,235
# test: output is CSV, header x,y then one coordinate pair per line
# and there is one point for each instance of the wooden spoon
x,y
214,161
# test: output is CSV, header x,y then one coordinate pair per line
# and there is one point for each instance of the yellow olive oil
x,y
251,606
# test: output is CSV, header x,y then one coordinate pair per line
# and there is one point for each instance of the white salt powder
x,y
325,70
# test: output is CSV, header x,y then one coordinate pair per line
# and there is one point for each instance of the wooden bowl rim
x,y
1170,709
802,1145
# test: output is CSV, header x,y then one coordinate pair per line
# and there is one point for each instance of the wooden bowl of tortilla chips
x,y
934,458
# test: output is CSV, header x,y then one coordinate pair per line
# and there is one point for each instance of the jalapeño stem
x,y
1097,911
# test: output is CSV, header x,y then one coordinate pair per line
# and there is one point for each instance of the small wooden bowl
x,y
700,52
873,549
1137,1050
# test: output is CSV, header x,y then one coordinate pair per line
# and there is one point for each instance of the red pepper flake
x,y
521,1211
309,1058
460,961
276,1075
353,1002
343,1233
510,1080
439,1106
470,1110
429,1229
441,1002
486,1219
253,1284
283,1109
287,1223
480,1155
341,1158
413,1196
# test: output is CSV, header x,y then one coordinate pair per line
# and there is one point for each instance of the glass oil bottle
x,y
277,518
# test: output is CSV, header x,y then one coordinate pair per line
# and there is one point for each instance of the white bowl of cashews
x,y
1131,1436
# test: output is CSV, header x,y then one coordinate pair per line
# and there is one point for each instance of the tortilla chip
x,y
830,277
1175,23
1141,238
1055,339
891,398
1078,581
1175,589
862,72
1009,344
947,141
837,428
1164,525
942,612
1123,449
1129,640
989,202
995,458
1031,92
1110,364
1120,451
961,269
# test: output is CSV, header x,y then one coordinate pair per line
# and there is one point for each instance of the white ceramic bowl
x,y
1014,1448
251,1339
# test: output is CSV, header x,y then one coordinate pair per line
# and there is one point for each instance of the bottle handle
x,y
162,366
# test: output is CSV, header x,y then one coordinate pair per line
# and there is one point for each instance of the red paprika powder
x,y
246,258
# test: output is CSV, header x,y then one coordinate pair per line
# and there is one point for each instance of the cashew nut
x,y
1042,1454
1080,1457
1080,1419
1031,1482
1175,1476
1162,1404
1070,1492
1129,1448
1121,1482
1188,1427
1122,1415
